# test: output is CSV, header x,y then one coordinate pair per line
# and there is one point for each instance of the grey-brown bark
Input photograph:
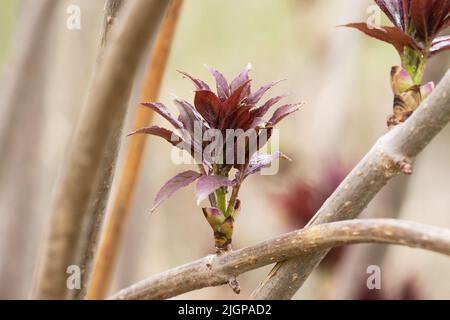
x,y
392,154
102,116
91,225
216,270
352,270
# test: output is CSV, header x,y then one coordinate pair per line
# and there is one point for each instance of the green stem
x,y
414,62
221,200
418,76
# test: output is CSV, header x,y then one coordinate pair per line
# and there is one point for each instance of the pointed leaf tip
x,y
241,78
179,181
163,111
199,84
257,95
223,90
164,133
284,111
262,160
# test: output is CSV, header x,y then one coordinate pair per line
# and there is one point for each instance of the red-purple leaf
x,y
164,112
223,91
231,107
208,184
283,111
262,110
261,160
258,122
440,44
232,103
257,95
394,11
241,78
445,24
199,84
189,116
190,119
429,17
208,105
173,185
236,118
399,39
168,135
439,16
390,35
421,17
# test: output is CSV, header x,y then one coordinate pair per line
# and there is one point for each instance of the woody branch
x,y
391,155
215,270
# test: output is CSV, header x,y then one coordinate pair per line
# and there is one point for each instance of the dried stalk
x,y
215,270
391,155
102,117
117,216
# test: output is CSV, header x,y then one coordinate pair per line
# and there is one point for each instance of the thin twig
x,y
391,155
215,270
102,116
117,215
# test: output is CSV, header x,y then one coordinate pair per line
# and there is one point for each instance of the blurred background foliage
x,y
341,75
8,13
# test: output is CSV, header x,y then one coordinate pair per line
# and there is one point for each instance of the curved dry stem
x,y
90,229
118,212
215,270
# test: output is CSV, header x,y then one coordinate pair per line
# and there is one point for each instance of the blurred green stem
x,y
414,62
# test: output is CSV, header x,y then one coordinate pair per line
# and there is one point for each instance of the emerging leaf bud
x,y
426,89
400,80
215,217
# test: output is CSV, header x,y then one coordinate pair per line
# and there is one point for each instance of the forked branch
x,y
215,270
392,154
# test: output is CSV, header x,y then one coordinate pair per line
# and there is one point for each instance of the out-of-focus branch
x,y
89,232
351,271
112,9
117,215
102,116
392,154
36,18
216,270
21,115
